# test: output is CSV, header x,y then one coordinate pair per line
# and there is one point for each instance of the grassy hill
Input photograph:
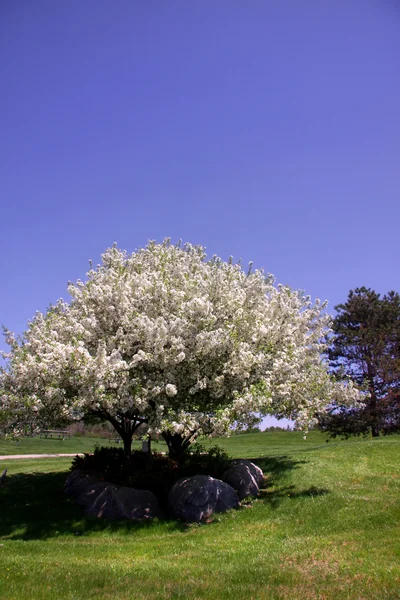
x,y
327,527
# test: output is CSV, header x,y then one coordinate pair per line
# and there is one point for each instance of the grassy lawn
x,y
36,445
327,527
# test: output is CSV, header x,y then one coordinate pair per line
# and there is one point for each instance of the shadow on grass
x,y
274,496
33,506
275,468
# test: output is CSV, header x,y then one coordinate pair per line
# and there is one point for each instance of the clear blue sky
x,y
267,130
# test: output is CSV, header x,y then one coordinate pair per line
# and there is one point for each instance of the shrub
x,y
200,461
99,430
155,472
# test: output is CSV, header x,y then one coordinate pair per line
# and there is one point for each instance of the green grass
x,y
254,445
275,442
327,527
36,445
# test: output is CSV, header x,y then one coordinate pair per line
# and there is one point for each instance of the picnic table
x,y
55,434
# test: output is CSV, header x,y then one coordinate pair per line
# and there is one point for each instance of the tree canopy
x,y
366,347
167,337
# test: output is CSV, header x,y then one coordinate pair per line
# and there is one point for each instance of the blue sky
x,y
266,130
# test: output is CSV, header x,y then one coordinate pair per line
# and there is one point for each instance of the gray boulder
x,y
195,499
92,492
245,477
117,502
78,482
103,499
254,470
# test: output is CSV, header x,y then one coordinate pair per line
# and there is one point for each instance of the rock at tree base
x,y
254,470
102,499
79,482
92,492
115,502
195,499
242,479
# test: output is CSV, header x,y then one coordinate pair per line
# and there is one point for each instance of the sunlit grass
x,y
327,527
37,445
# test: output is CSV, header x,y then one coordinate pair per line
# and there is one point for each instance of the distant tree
x,y
365,346
250,429
276,428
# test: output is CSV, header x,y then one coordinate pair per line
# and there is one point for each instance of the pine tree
x,y
365,346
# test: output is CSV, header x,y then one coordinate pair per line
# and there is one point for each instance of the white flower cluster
x,y
183,343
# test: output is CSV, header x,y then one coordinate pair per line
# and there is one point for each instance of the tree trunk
x,y
177,445
127,440
375,431
126,427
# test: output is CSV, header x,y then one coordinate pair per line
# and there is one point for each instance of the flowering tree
x,y
166,337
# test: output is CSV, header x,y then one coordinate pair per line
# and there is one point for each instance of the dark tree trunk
x,y
127,440
125,427
375,431
177,445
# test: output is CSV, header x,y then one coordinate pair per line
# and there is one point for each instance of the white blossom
x,y
166,336
171,390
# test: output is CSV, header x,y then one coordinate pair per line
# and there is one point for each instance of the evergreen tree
x,y
365,346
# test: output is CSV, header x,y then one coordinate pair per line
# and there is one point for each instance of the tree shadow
x,y
277,466
274,496
34,507
275,489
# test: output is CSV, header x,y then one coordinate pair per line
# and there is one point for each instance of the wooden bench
x,y
55,434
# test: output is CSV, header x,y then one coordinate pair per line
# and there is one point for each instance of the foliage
x,y
366,347
155,472
201,460
102,429
250,429
165,337
279,428
105,461
94,430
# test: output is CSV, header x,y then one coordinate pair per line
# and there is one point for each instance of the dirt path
x,y
13,456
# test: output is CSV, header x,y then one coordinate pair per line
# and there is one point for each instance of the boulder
x,y
118,502
104,499
245,477
78,482
254,470
92,492
197,498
